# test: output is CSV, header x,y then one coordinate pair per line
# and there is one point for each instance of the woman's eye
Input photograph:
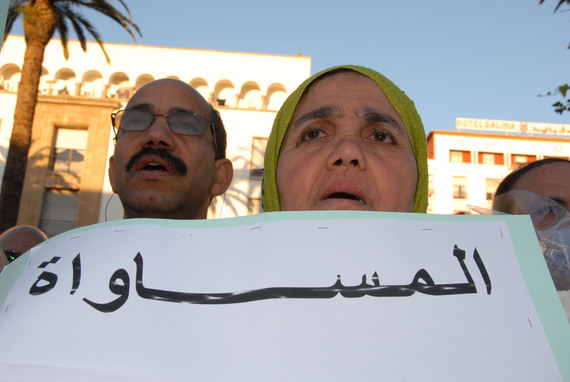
x,y
383,137
312,134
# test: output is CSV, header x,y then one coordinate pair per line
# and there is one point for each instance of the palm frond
x,y
76,20
84,23
106,8
78,28
15,9
560,3
62,29
65,13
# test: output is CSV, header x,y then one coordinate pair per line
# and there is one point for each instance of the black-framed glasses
x,y
12,255
184,123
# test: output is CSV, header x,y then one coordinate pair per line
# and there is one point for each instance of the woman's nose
x,y
346,152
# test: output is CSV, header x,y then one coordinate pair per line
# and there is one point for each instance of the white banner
x,y
287,296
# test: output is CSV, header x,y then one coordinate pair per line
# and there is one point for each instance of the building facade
x,y
67,184
465,167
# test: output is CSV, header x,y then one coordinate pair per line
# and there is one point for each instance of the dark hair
x,y
514,176
220,135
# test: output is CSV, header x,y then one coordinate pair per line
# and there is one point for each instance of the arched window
x,y
10,77
250,96
225,94
142,80
92,84
201,87
276,95
64,82
119,86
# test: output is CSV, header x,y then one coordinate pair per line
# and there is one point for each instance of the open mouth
x,y
344,195
154,167
158,161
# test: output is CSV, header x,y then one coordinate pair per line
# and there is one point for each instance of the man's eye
x,y
547,210
136,123
547,217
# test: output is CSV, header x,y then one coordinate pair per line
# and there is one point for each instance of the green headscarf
x,y
399,100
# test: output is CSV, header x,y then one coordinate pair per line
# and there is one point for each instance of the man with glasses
x,y
170,153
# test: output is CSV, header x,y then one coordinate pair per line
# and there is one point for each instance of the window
x,y
123,93
276,100
487,158
226,97
257,154
64,83
490,188
58,211
459,187
522,159
93,85
518,159
250,96
69,150
491,158
10,78
431,189
457,156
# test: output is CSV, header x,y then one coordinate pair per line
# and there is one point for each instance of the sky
x,y
482,59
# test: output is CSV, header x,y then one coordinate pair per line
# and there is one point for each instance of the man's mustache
x,y
164,154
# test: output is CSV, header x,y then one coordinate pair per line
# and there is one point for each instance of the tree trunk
x,y
39,25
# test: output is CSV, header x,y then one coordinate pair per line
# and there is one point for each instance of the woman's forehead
x,y
343,92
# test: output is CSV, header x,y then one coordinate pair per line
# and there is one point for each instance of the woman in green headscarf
x,y
347,138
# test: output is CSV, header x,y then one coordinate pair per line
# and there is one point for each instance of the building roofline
x,y
89,42
509,136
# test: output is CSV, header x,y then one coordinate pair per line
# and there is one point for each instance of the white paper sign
x,y
287,296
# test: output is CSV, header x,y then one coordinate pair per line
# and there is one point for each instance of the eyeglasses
x,y
12,255
544,212
179,123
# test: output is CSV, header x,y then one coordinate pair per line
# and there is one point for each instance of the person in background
x,y
541,190
346,139
17,240
170,153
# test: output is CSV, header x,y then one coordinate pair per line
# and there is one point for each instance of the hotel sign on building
x,y
467,165
489,125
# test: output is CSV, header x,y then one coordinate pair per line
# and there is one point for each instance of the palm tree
x,y
41,19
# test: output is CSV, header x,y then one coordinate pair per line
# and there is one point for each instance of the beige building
x,y
66,183
467,165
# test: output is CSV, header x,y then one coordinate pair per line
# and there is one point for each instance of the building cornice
x,y
505,136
